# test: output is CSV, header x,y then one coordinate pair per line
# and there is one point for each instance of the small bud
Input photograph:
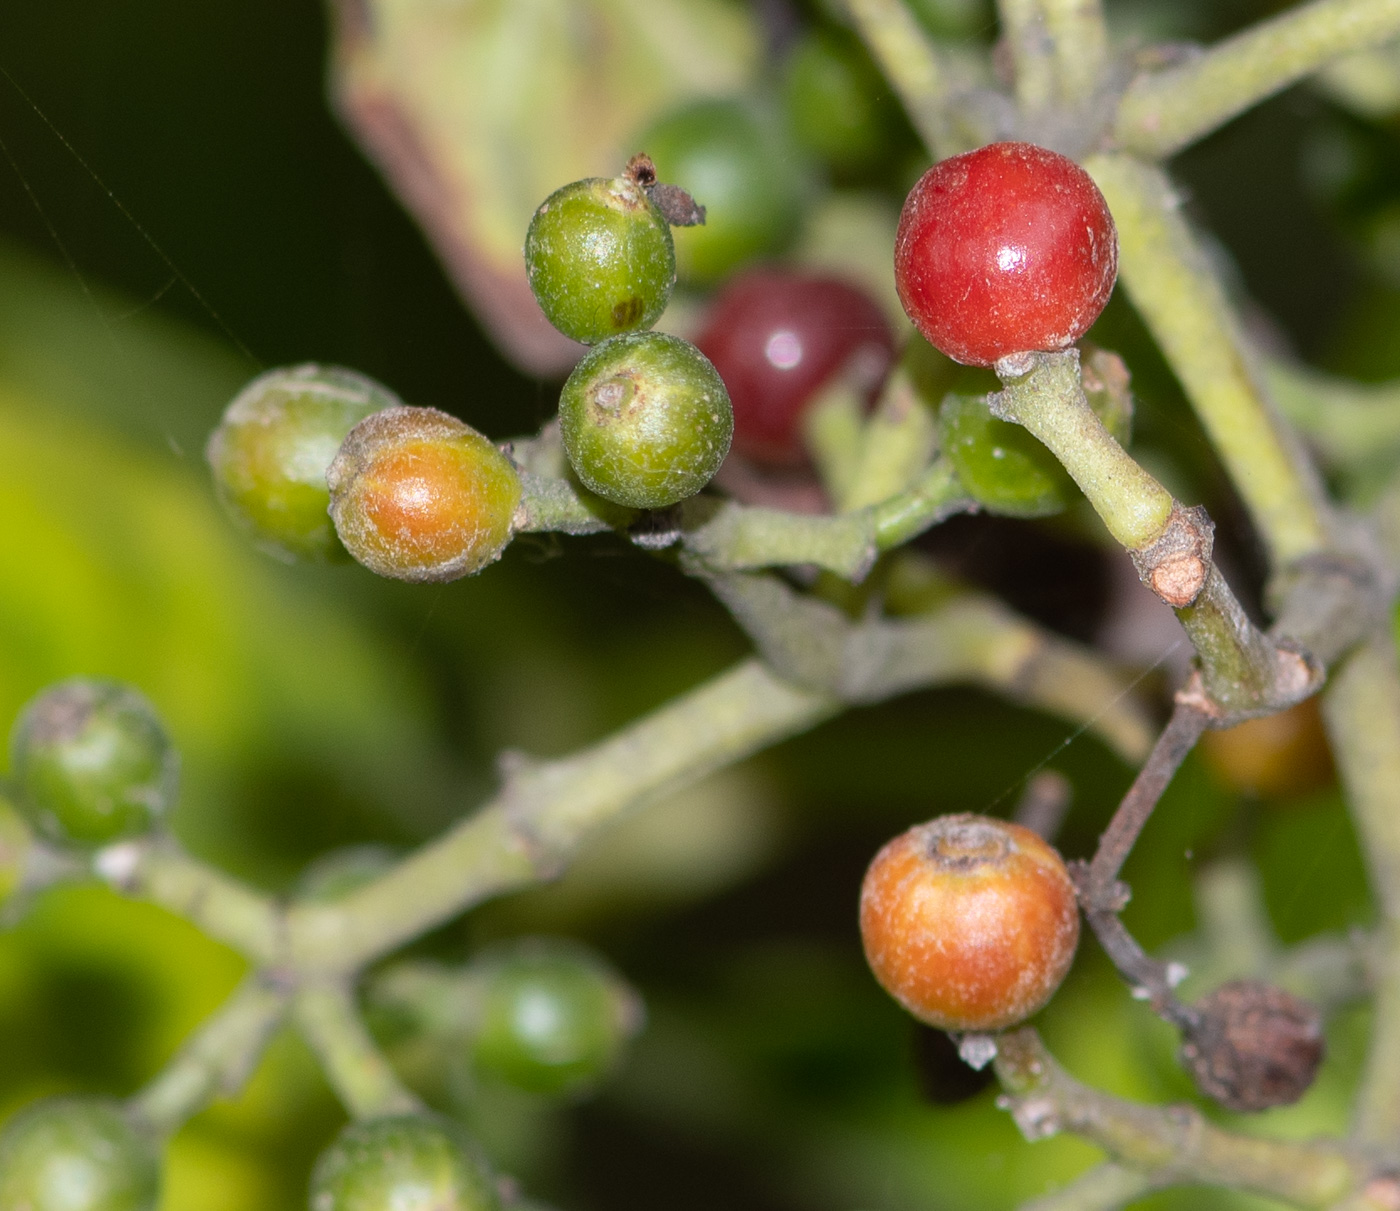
x,y
1254,1047
418,495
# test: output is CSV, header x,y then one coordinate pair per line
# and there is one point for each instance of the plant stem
x,y
226,910
362,1079
1165,111
1362,709
217,1060
1352,424
910,63
544,810
1171,1145
1171,283
1105,1187
937,495
1027,35
1079,41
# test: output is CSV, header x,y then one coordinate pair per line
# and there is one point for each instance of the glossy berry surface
x,y
91,762
970,923
273,446
600,259
645,420
418,495
1003,467
76,1154
777,337
554,1018
411,1162
743,168
1003,250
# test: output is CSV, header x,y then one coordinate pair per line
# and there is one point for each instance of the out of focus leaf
x,y
477,111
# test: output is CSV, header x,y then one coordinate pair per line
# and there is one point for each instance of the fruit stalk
x,y
366,1085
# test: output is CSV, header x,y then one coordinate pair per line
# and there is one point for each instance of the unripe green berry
x,y
270,453
836,101
646,420
554,1017
418,495
1001,465
600,259
741,165
77,1154
411,1162
91,762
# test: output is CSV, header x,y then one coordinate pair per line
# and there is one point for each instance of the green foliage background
x,y
319,707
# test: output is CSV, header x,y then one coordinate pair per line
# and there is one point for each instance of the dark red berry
x,y
1003,250
776,337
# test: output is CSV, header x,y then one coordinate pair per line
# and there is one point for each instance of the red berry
x,y
1004,250
969,923
776,337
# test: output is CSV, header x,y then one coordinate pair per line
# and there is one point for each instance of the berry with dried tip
x,y
418,495
77,1154
271,450
599,257
777,337
970,923
745,169
91,762
1253,1046
554,1017
409,1162
646,420
1007,249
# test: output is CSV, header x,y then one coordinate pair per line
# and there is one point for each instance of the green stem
x,y
1105,1187
1165,111
1352,424
216,1061
1362,708
1172,1145
910,63
1171,283
362,1078
935,497
1027,35
549,503
1079,42
545,810
224,909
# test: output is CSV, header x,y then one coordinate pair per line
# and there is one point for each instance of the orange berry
x,y
970,923
1278,756
418,495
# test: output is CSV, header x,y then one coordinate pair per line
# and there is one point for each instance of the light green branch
x,y
542,813
1105,1187
226,910
216,1061
1171,1145
1165,111
362,1078
1352,424
549,503
1172,285
1028,37
1079,41
1362,710
910,63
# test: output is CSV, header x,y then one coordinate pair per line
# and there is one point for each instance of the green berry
x,y
1003,467
418,495
15,840
646,420
600,259
554,1017
342,871
835,100
77,1154
270,453
91,762
744,169
411,1162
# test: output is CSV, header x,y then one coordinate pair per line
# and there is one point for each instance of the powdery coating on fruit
x,y
91,762
646,420
776,338
410,1162
600,259
418,495
969,923
1003,250
76,1154
270,453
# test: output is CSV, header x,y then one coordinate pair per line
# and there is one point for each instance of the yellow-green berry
x,y
1002,466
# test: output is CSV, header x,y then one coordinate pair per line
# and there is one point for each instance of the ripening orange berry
x,y
418,495
970,923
